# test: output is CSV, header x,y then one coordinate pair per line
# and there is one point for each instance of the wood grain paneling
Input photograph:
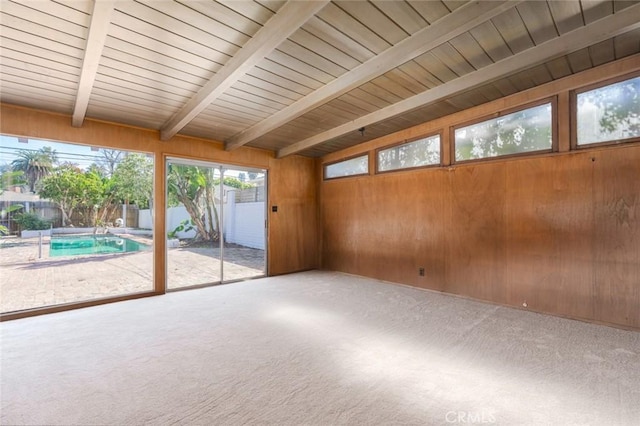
x,y
548,224
616,236
384,239
556,233
293,229
476,245
340,198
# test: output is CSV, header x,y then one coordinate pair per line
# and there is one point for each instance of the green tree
x,y
523,131
132,180
99,170
94,196
35,165
416,153
233,182
616,108
72,189
194,187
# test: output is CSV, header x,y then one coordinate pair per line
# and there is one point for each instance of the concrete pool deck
x,y
28,281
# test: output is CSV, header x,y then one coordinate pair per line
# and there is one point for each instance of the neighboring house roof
x,y
257,182
12,196
229,188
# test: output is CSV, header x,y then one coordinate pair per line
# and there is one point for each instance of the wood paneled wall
x,y
293,191
292,233
559,233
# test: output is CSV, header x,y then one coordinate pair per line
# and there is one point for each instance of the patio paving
x,y
29,281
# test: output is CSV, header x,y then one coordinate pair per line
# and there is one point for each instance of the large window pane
x,y
351,167
528,130
215,223
71,228
194,197
609,113
244,224
419,153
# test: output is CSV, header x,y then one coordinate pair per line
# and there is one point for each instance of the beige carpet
x,y
315,348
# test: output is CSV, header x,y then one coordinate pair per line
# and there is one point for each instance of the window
x,y
418,153
351,167
527,130
610,113
84,213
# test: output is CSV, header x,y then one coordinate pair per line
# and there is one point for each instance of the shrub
x,y
3,213
186,226
31,222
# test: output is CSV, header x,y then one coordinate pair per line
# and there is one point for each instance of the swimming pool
x,y
80,245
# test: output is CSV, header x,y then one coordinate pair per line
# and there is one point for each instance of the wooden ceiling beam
x,y
98,29
577,39
285,22
452,25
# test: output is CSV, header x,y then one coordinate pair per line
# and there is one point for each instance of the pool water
x,y
93,244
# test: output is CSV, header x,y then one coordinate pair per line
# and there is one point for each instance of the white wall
x,y
144,219
244,222
175,215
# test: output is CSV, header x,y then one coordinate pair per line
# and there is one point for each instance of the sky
x,y
81,155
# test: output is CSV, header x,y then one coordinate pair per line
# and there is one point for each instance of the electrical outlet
x,y
421,272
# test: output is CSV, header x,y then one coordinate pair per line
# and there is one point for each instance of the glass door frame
x,y
265,228
221,167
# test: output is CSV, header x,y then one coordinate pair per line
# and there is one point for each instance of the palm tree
x,y
35,164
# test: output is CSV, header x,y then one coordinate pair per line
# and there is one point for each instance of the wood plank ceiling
x,y
295,77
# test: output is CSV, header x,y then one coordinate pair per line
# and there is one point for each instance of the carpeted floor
x,y
315,348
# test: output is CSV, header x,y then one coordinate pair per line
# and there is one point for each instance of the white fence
x,y
244,223
144,219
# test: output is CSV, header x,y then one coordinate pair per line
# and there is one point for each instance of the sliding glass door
x,y
215,223
244,224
